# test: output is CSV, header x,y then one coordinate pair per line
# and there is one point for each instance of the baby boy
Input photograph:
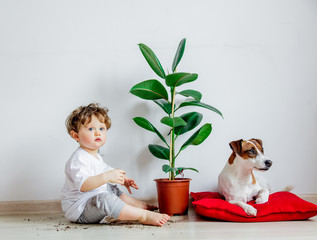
x,y
89,194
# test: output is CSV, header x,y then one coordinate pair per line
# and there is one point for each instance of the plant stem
x,y
172,140
177,154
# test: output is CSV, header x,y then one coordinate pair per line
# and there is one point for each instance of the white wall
x,y
256,62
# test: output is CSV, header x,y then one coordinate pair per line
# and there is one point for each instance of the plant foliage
x,y
155,91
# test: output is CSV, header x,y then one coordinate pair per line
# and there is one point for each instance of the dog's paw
x,y
250,211
262,199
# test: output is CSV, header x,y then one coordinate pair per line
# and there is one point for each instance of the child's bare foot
x,y
153,218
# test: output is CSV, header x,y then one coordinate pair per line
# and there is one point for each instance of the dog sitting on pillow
x,y
237,182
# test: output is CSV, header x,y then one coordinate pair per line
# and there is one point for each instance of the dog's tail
x,y
288,188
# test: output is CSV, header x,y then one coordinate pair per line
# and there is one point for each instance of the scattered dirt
x,y
60,223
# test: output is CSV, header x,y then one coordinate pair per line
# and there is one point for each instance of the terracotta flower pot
x,y
173,195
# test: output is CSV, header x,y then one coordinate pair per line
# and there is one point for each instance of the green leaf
x,y
181,169
179,54
152,60
150,90
159,151
178,79
142,122
173,122
198,137
191,93
200,104
166,168
165,105
192,119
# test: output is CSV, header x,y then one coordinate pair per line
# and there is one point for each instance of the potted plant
x,y
155,91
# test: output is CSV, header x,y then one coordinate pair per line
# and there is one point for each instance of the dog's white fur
x,y
237,182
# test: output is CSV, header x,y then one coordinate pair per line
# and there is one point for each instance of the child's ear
x,y
74,135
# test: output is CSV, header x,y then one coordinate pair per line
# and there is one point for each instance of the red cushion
x,y
282,206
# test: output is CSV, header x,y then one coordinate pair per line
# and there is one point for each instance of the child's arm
x,y
112,176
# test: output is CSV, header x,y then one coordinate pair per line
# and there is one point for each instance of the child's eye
x,y
102,129
90,129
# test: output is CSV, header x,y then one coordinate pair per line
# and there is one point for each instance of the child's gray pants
x,y
102,205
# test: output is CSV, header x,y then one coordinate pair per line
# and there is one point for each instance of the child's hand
x,y
115,176
130,183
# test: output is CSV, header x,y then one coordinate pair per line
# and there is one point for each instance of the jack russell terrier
x,y
237,182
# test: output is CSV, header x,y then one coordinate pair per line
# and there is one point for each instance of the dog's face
x,y
250,154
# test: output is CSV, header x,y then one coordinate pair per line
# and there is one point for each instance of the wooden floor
x,y
55,226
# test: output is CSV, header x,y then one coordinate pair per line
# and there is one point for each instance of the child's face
x,y
92,135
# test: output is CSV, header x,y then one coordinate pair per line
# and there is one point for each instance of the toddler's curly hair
x,y
83,114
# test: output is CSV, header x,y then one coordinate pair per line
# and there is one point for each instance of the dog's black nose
x,y
268,163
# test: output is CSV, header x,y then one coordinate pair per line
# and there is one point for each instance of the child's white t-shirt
x,y
79,167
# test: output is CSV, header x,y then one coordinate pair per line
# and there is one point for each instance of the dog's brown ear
x,y
259,141
231,158
236,146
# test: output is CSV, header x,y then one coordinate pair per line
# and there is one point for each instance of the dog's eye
x,y
252,151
